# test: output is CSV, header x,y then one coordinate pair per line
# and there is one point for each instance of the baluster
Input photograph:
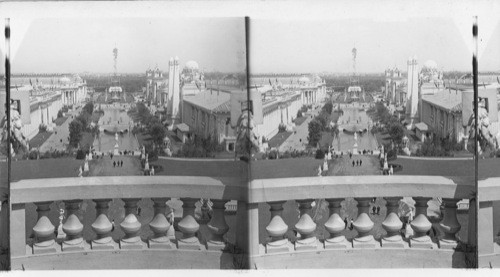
x,y
160,225
131,226
44,230
102,227
392,224
449,224
421,224
218,226
276,229
363,225
73,227
335,225
306,227
188,226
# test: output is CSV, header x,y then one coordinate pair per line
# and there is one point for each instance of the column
x,y
421,224
218,226
131,226
102,227
44,230
449,225
363,225
73,227
335,225
306,227
276,229
392,224
160,225
188,226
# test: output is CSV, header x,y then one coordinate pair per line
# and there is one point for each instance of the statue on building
x,y
247,140
485,135
17,139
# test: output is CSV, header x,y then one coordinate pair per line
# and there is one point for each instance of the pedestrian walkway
x,y
59,138
104,166
298,140
343,166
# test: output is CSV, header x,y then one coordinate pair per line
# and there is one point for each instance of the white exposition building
x,y
41,96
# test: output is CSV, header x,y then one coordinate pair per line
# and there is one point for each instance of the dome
x,y
304,79
431,64
64,80
192,65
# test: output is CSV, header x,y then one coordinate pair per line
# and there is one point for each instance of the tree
x,y
315,128
157,133
75,132
396,131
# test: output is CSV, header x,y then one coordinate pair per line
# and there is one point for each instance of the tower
x,y
173,88
412,92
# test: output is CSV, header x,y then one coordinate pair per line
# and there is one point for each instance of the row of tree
x,y
320,124
81,124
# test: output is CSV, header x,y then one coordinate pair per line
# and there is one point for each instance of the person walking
x,y
114,164
353,163
378,210
345,222
374,210
121,163
352,226
360,162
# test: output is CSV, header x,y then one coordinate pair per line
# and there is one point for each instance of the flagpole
x,y
476,160
7,111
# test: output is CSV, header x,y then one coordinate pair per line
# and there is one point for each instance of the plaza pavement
x,y
54,141
293,142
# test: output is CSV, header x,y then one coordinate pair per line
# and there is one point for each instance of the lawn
x,y
278,139
460,171
284,168
39,139
174,167
47,168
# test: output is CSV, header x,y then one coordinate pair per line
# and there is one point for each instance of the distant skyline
x,y
86,45
292,46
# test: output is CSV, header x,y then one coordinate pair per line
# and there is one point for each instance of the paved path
x,y
436,158
343,166
59,138
298,140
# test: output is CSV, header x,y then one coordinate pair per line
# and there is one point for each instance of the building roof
x,y
451,101
422,126
217,102
183,127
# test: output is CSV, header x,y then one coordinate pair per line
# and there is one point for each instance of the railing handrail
x,y
489,189
52,189
278,189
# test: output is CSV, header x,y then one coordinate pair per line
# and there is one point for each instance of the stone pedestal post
x,y
306,227
335,225
421,225
73,227
218,226
160,225
188,226
363,225
44,230
276,229
392,224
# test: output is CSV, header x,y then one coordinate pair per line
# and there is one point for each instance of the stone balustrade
x,y
489,223
311,247
47,250
315,244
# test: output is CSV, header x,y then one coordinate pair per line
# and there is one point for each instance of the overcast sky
x,y
79,45
316,46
